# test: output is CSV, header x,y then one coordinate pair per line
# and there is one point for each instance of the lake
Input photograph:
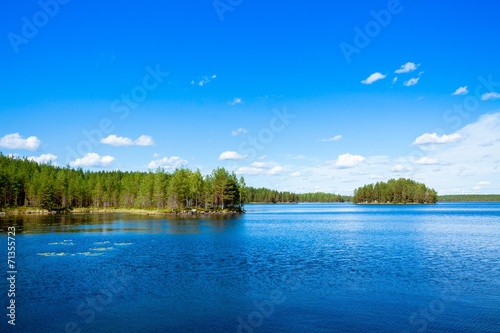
x,y
277,268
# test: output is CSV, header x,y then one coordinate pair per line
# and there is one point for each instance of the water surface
x,y
277,268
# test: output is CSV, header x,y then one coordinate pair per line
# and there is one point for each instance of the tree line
x,y
25,183
470,198
400,191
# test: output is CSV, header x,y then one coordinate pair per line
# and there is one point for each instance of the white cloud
x,y
235,101
16,141
120,141
427,161
399,168
295,174
167,163
117,141
348,161
411,82
231,155
43,159
406,68
461,91
276,170
92,160
239,131
395,79
490,95
373,78
484,183
334,138
434,138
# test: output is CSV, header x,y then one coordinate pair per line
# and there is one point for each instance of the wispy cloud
x,y
235,101
261,168
120,141
250,171
428,138
276,170
231,155
16,141
399,168
427,161
144,140
411,82
348,161
490,95
167,163
204,80
406,68
239,131
92,160
395,79
373,78
461,91
333,138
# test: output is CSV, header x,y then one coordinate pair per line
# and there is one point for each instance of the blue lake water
x,y
277,268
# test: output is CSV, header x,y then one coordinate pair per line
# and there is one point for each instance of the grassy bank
x,y
132,211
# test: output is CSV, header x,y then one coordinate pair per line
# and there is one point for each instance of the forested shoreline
x,y
24,183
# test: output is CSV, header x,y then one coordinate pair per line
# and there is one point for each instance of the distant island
x,y
400,191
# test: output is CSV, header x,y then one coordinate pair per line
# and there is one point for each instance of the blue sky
x,y
323,96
